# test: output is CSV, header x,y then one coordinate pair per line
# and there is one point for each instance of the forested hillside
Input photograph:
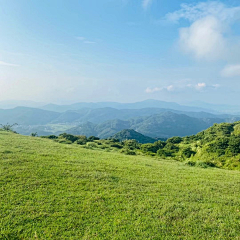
x,y
163,125
218,146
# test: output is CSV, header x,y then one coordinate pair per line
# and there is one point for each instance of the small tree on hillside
x,y
8,127
34,134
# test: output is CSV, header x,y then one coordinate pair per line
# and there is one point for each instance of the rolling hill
x,y
58,191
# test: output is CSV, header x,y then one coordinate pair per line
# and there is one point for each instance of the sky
x,y
65,51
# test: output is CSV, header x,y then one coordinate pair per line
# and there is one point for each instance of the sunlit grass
x,y
56,191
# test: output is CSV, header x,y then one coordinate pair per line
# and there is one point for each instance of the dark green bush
x,y
92,138
149,147
116,145
187,152
165,153
174,140
128,151
82,140
50,137
131,144
234,144
153,147
69,137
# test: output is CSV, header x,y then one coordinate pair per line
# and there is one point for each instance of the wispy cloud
x,y
205,38
181,86
80,38
146,3
84,40
231,71
89,42
152,90
194,12
8,64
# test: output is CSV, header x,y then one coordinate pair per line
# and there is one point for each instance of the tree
x,y
34,134
8,127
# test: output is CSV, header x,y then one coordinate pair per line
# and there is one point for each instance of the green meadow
x,y
50,190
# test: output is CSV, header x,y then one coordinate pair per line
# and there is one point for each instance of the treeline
x,y
218,146
129,147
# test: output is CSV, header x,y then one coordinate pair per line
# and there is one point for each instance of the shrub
x,y
165,153
131,144
69,137
190,163
187,152
128,151
50,137
82,140
91,145
172,147
116,145
153,147
201,164
114,140
174,140
149,147
92,138
64,141
234,144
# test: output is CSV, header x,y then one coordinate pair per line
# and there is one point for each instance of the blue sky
x,y
66,51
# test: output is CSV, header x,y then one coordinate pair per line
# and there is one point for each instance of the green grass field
x,y
56,191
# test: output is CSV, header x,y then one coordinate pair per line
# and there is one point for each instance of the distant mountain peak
x,y
129,134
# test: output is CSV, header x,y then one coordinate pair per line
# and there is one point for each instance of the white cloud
x,y
8,64
146,3
152,90
231,70
200,86
158,89
183,86
206,37
170,88
193,12
203,39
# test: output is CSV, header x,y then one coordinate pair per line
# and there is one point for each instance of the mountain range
x,y
164,125
104,122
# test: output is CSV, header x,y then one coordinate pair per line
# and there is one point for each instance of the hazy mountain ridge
x,y
163,125
105,122
137,105
27,116
35,116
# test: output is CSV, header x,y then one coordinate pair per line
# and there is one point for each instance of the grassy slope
x,y
55,191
